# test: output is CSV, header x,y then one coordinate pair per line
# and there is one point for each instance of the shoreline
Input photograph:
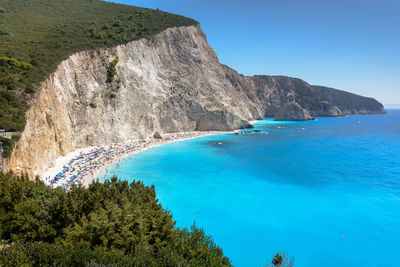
x,y
99,171
84,165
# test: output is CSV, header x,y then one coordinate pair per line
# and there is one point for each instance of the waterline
x,y
326,191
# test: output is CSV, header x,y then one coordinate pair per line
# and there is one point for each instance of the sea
x,y
325,192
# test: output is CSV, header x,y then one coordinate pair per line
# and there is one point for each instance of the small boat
x,y
218,143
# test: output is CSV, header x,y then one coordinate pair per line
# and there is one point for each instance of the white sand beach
x,y
84,165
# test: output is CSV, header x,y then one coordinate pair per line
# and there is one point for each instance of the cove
x,y
326,192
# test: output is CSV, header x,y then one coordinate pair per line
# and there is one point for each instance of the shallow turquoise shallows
x,y
326,191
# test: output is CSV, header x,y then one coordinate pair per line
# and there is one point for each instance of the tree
x,y
107,223
281,260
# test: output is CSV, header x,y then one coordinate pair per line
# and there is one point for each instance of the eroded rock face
x,y
222,120
173,82
292,111
349,103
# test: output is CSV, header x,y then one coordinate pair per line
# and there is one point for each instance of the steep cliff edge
x,y
270,93
172,82
168,83
351,103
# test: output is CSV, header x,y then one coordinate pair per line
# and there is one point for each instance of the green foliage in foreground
x,y
36,35
112,223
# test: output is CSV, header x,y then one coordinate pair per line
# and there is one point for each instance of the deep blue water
x,y
326,191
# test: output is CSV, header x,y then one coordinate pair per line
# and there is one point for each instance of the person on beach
x,y
84,164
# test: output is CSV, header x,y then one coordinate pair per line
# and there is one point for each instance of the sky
x,y
349,45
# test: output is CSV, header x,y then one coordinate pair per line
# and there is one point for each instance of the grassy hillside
x,y
107,224
36,35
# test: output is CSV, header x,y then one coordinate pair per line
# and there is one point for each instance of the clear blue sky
x,y
350,45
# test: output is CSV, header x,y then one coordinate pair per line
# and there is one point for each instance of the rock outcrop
x,y
157,135
349,103
292,112
171,82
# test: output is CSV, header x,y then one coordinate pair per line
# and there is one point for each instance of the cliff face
x,y
272,92
173,82
292,111
170,83
351,103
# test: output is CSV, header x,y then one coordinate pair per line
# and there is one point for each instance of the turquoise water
x,y
326,191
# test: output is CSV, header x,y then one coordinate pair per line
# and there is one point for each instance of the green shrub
x,y
12,62
92,32
3,32
8,145
281,260
100,35
277,259
111,70
114,223
29,89
13,108
117,23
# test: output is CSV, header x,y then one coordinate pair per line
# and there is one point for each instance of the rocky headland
x,y
292,112
169,83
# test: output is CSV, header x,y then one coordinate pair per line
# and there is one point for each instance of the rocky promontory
x,y
292,112
170,83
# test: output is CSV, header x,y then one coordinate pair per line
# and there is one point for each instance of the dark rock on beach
x,y
157,135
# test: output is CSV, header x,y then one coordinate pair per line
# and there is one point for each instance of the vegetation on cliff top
x,y
36,35
114,223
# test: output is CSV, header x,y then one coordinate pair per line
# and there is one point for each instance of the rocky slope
x,y
350,103
172,82
292,111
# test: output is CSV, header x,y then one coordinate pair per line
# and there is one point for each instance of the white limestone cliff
x,y
172,82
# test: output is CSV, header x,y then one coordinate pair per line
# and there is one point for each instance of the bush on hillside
x,y
110,223
111,70
3,32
